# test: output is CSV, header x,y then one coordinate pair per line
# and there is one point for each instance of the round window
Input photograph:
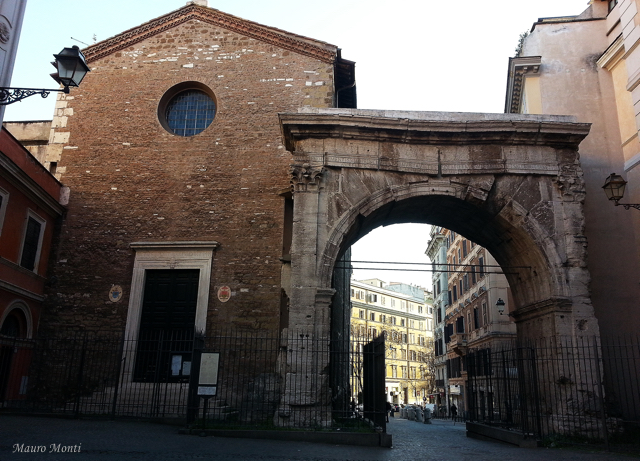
x,y
187,109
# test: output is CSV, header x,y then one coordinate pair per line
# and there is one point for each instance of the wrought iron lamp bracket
x,y
628,205
11,95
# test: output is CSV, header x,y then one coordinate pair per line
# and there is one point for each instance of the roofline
x,y
298,43
562,20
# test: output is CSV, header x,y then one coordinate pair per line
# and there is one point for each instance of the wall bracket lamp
x,y
614,187
72,68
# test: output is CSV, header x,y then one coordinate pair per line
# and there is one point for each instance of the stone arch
x,y
19,311
511,183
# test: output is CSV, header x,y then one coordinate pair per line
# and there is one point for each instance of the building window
x,y
402,322
393,302
403,354
404,371
484,314
393,320
394,371
612,4
383,318
412,338
419,309
481,266
32,242
4,200
361,313
476,319
383,300
412,370
455,294
464,248
473,275
372,316
373,298
187,109
413,356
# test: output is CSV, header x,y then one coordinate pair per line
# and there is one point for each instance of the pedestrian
x,y
388,410
454,411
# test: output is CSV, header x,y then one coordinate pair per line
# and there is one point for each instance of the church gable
x,y
321,51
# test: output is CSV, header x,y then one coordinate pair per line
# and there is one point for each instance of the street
x,y
100,440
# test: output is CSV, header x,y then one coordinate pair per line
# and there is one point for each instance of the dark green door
x,y
166,325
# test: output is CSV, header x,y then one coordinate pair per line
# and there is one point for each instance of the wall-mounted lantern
x,y
614,187
72,68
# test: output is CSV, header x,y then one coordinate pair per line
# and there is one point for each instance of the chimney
x,y
198,2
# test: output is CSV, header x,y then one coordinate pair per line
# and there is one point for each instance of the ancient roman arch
x,y
511,183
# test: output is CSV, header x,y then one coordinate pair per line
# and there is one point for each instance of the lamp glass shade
x,y
614,187
500,305
71,67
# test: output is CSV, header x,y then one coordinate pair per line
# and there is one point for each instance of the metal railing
x,y
582,388
264,379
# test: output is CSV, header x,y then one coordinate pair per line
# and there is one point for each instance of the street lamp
x,y
72,68
614,187
500,306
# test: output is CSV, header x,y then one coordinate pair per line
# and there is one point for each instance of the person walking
x,y
388,410
454,411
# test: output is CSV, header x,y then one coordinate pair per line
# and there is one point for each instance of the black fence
x,y
263,380
581,388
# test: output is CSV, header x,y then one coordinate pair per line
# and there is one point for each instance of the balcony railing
x,y
458,343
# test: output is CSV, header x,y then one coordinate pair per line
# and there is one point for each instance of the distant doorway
x,y
167,323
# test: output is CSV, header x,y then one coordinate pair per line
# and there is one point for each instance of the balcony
x,y
458,343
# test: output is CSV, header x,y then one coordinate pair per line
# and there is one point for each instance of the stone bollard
x,y
427,416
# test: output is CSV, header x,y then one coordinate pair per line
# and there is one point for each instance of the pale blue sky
x,y
428,55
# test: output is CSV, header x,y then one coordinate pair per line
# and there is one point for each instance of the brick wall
x,y
133,181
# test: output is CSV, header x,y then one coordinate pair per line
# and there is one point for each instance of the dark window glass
x,y
30,246
190,112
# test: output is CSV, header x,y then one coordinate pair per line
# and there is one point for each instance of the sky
x,y
425,55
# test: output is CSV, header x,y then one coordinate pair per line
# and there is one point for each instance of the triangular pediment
x,y
297,43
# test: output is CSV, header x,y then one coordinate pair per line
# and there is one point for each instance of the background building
x,y
468,315
167,196
404,314
31,207
588,66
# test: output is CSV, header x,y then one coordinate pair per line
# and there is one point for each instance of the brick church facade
x,y
183,222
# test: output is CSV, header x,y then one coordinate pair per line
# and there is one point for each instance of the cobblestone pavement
x,y
98,440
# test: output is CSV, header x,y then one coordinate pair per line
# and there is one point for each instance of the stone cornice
x,y
322,137
296,43
613,54
190,245
21,180
518,69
